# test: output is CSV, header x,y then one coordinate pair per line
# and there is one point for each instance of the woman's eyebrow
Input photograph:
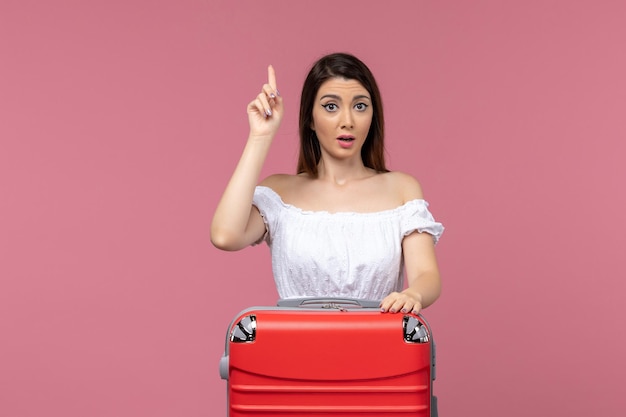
x,y
336,97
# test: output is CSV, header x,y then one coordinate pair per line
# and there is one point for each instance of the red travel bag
x,y
331,357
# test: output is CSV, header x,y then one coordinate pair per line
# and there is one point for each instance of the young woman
x,y
344,225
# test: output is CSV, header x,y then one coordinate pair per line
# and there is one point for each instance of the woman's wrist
x,y
417,296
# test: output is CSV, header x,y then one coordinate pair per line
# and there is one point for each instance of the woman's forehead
x,y
342,87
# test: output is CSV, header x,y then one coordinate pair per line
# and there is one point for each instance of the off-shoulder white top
x,y
346,254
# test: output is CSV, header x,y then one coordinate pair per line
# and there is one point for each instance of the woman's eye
x,y
360,106
330,106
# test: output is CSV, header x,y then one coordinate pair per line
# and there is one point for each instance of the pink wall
x,y
121,121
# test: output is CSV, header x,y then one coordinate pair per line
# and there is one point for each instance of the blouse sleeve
x,y
416,217
266,201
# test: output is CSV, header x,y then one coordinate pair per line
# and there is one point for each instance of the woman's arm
x,y
424,282
236,223
422,271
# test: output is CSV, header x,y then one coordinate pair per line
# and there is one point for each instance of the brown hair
x,y
346,66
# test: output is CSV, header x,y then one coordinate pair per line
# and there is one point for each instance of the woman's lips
x,y
345,141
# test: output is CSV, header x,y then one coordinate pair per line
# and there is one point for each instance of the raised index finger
x,y
271,77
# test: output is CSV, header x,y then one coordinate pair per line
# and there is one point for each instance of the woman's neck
x,y
342,173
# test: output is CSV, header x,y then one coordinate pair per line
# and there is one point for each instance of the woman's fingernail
x,y
268,112
272,95
277,92
404,310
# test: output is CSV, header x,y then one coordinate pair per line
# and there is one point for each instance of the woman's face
x,y
342,115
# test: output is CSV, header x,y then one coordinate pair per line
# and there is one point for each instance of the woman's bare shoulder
x,y
406,185
282,182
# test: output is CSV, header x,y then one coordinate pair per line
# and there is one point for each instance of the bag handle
x,y
328,302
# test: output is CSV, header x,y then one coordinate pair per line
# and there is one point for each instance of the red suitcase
x,y
328,357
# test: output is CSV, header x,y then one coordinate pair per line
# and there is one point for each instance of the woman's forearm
x,y
232,215
426,287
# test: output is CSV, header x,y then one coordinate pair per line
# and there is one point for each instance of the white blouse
x,y
345,254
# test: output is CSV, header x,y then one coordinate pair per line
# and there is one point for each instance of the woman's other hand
x,y
406,301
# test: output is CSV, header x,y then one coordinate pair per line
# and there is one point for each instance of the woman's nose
x,y
346,119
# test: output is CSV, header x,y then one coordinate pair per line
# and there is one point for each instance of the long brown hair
x,y
346,66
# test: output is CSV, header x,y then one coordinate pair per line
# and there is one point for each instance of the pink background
x,y
121,121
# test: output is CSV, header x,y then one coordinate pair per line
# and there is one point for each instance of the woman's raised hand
x,y
265,112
